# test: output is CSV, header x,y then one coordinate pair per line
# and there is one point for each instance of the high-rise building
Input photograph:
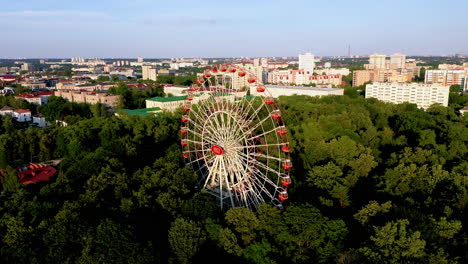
x,y
256,62
464,84
27,67
362,76
140,60
149,73
423,95
377,61
397,61
306,62
264,62
444,77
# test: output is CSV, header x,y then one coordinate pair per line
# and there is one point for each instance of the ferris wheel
x,y
236,142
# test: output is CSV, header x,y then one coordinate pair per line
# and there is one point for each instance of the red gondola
x,y
276,114
285,148
286,181
287,164
283,196
260,89
269,100
241,74
251,80
282,131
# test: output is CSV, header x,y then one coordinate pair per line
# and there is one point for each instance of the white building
x,y
464,84
175,90
173,102
22,115
306,62
285,90
6,110
149,73
40,121
328,71
377,61
422,95
398,61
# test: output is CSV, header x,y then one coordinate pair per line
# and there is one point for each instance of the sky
x,y
240,28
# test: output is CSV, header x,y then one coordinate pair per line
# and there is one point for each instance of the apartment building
x,y
89,97
423,95
445,77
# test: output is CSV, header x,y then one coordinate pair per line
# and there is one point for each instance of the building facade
x,y
89,97
444,77
301,77
285,90
306,62
423,95
149,73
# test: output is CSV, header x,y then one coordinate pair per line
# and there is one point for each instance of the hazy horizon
x,y
215,29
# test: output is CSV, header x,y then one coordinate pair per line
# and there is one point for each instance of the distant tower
x,y
349,51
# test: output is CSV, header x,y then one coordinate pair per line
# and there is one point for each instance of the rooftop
x,y
141,112
167,99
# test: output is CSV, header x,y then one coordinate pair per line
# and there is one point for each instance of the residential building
x,y
444,77
327,71
22,115
306,62
362,76
398,61
34,84
301,77
27,67
423,95
149,73
175,90
39,121
464,84
89,97
377,61
38,98
286,90
140,60
173,102
6,110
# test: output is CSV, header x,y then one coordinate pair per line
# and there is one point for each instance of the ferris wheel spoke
x,y
211,170
227,180
252,129
259,164
263,134
265,156
212,129
257,146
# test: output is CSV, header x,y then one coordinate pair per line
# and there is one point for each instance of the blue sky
x,y
255,28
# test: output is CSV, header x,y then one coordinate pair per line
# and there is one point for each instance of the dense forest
x,y
373,182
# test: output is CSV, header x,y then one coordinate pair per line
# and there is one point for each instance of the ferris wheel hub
x,y
217,150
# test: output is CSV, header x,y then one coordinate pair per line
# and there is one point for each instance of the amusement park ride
x,y
237,143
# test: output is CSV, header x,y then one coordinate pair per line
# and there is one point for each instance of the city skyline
x,y
149,29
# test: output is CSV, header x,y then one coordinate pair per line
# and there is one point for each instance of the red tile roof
x,y
23,111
